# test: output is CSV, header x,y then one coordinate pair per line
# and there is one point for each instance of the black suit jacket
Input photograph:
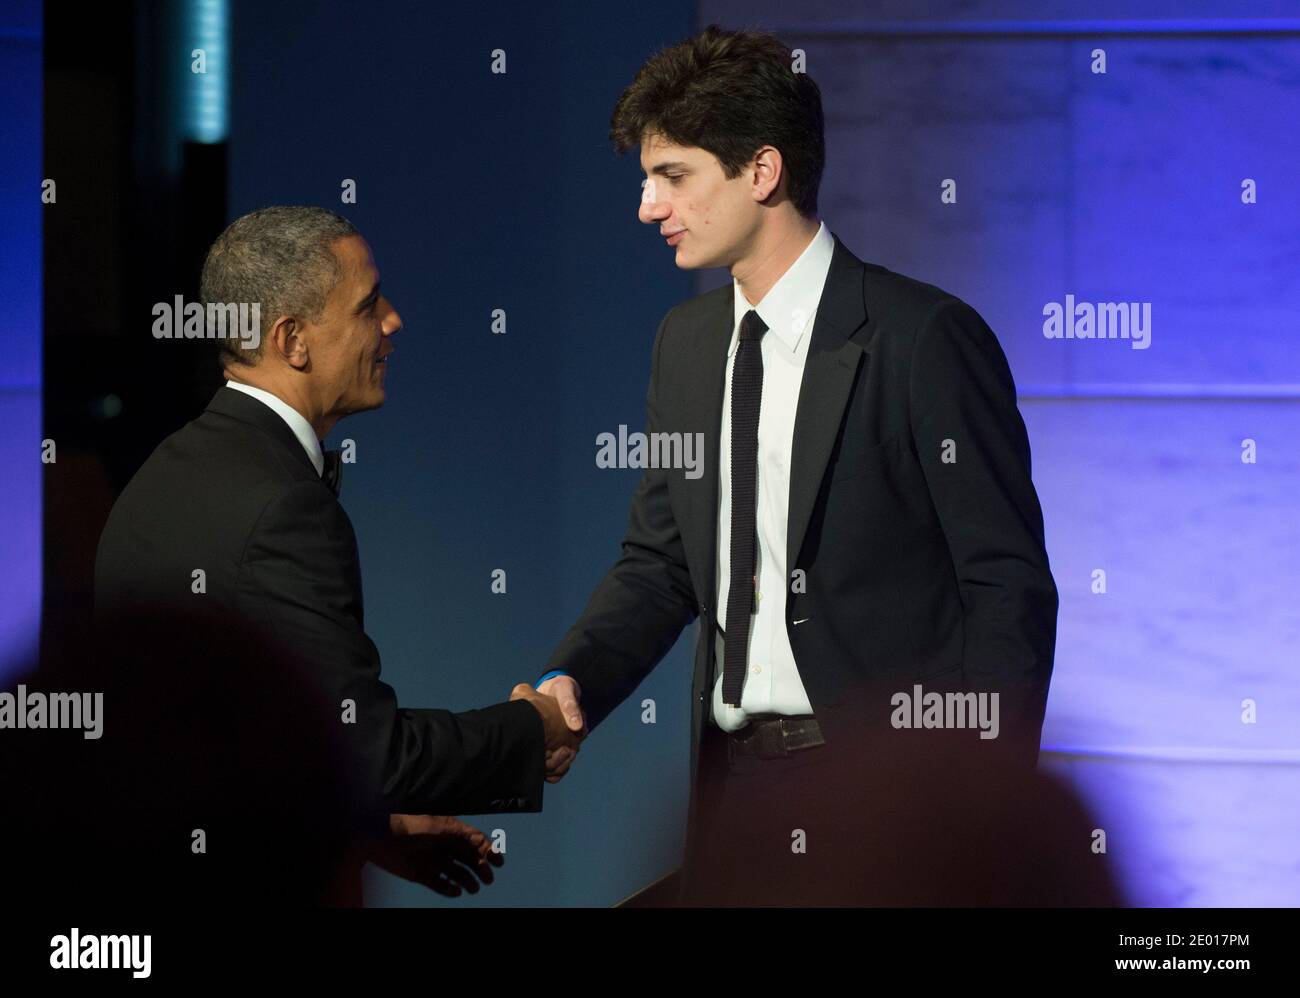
x,y
915,570
234,493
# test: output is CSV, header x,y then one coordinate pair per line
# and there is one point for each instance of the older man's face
x,y
350,345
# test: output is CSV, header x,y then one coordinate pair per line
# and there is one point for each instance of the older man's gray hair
x,y
279,257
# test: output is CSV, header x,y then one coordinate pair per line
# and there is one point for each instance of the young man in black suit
x,y
866,522
237,514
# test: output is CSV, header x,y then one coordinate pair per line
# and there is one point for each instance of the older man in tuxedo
x,y
238,513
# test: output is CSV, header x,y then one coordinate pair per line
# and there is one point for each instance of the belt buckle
x,y
772,740
804,733
763,740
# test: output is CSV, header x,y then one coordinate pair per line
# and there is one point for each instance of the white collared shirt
x,y
296,420
772,682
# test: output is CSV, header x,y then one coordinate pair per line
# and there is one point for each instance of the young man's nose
x,y
652,212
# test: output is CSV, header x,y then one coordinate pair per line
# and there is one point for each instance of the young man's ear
x,y
768,167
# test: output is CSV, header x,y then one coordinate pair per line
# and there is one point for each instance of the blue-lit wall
x,y
20,331
1122,186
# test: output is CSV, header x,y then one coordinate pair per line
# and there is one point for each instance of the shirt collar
x,y
296,420
788,307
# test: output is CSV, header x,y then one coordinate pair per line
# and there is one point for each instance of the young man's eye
x,y
674,177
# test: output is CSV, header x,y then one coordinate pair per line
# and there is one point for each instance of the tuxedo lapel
x,y
833,359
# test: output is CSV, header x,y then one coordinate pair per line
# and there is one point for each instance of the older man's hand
x,y
443,854
557,700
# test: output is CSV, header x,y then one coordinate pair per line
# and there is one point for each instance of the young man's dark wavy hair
x,y
731,93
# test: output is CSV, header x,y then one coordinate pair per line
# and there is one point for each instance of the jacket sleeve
x,y
974,452
638,610
300,576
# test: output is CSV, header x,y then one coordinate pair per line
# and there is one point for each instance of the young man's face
x,y
350,345
707,219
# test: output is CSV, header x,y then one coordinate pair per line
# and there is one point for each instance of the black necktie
x,y
332,475
746,393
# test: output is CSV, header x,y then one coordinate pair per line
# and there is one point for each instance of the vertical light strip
x,y
20,333
205,28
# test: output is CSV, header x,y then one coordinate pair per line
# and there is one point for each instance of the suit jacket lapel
x,y
833,359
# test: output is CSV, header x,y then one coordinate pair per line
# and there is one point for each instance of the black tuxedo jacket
x,y
915,569
234,493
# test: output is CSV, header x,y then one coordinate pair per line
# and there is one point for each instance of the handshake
x,y
562,720
449,856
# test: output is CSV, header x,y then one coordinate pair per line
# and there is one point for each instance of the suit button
x,y
704,608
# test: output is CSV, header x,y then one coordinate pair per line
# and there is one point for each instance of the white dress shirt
x,y
772,683
296,420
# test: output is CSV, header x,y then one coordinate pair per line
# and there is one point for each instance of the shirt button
x,y
757,669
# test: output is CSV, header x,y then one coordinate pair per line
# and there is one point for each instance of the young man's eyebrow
x,y
662,168
368,300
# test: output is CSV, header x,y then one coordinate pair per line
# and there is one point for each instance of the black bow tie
x,y
332,475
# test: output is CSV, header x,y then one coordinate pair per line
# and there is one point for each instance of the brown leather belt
x,y
775,737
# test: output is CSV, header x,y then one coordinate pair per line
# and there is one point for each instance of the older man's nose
x,y
392,322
